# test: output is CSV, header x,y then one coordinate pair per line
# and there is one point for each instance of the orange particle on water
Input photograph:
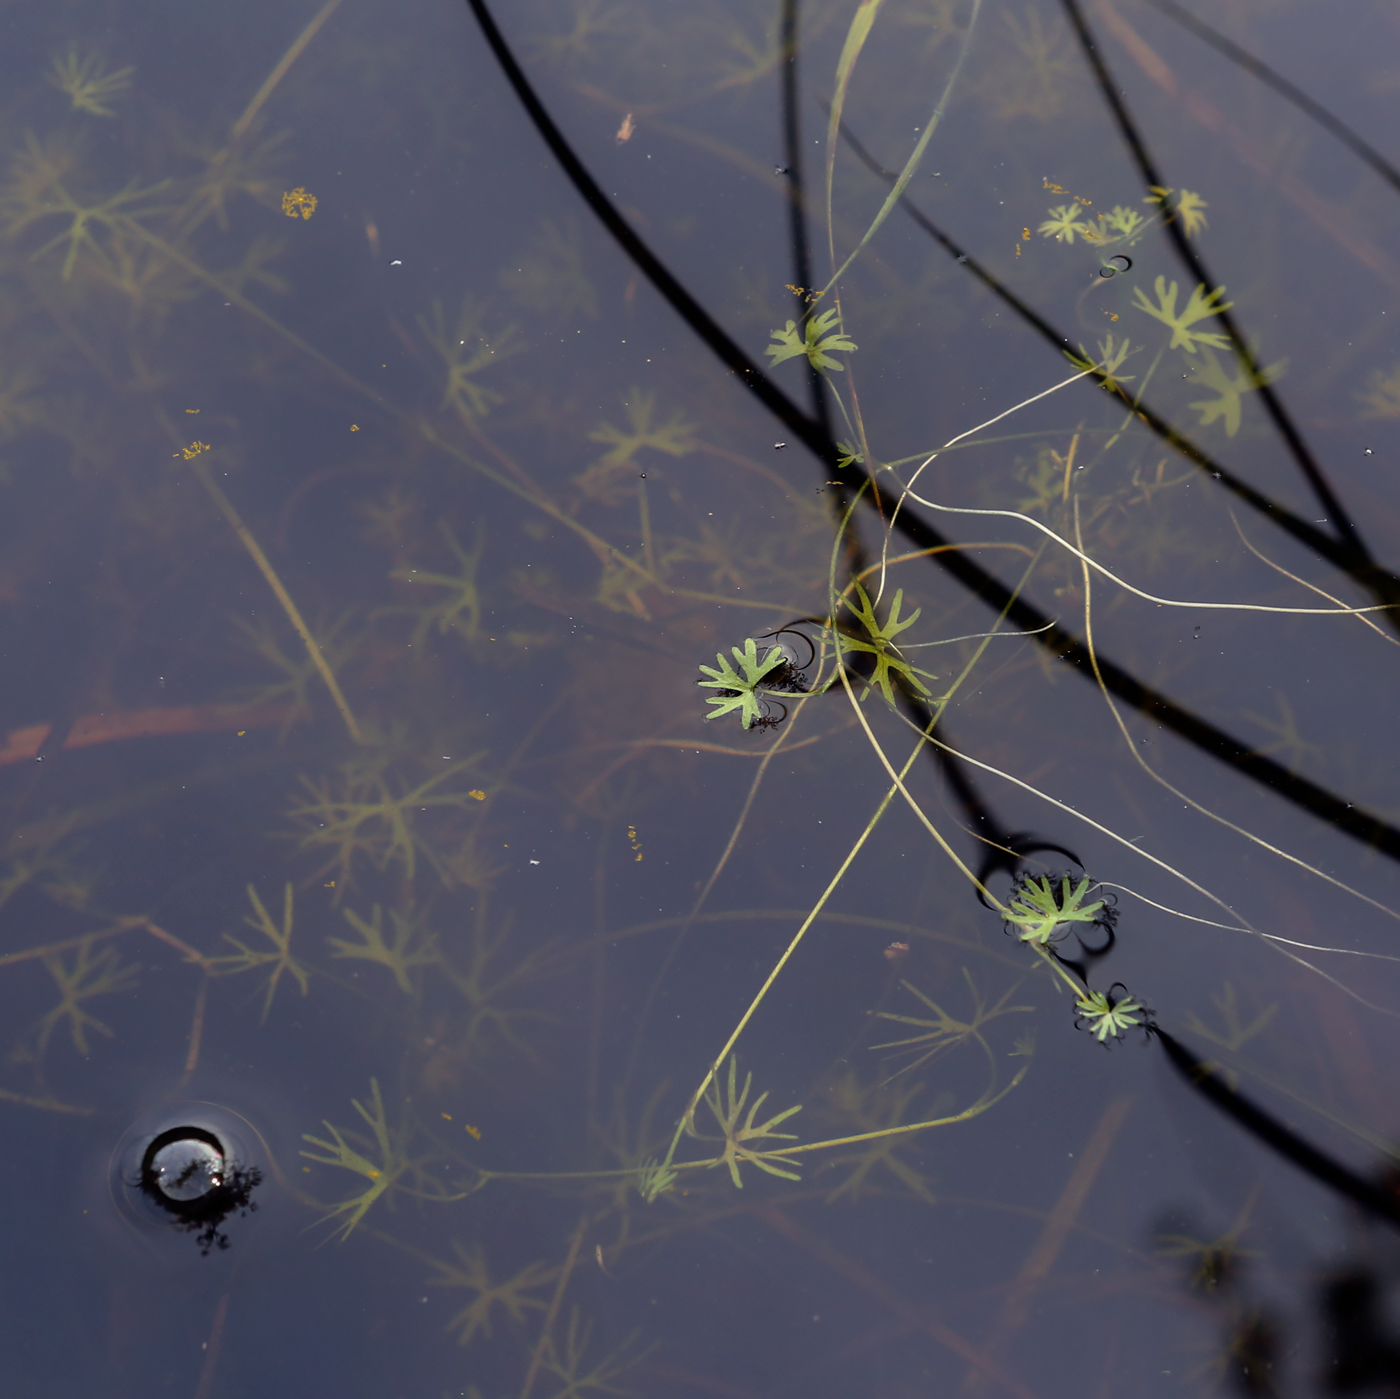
x,y
298,201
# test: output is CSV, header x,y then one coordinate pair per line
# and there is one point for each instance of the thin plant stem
x,y
313,650
269,86
553,1313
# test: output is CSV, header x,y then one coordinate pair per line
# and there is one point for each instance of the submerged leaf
x,y
1064,222
1229,389
1201,306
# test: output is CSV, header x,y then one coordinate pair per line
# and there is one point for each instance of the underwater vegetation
x,y
371,533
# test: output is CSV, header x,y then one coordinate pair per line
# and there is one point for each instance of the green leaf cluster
x,y
276,957
1064,222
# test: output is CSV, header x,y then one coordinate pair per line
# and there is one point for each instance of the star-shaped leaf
x,y
1122,220
1110,359
880,644
675,436
817,341
1229,389
1064,223
277,957
1202,305
1186,206
738,689
742,1133
1042,916
1105,1017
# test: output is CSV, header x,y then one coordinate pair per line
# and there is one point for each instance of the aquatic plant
x,y
499,581
470,1271
820,340
87,81
1201,305
277,957
382,1160
742,689
741,1137
92,972
1041,914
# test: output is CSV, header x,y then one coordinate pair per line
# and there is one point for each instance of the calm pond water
x,y
412,977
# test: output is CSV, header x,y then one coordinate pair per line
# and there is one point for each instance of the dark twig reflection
x,y
1341,815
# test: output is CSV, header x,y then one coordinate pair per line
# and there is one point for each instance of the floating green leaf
x,y
1186,206
738,689
1104,1017
849,455
87,81
100,973
1040,914
1122,220
820,338
470,1272
340,1152
888,661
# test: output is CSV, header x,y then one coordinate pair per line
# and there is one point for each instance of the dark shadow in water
x,y
797,201
1257,68
1384,585
1380,1201
1357,1350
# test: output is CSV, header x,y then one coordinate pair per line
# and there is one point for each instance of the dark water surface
x,y
369,512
